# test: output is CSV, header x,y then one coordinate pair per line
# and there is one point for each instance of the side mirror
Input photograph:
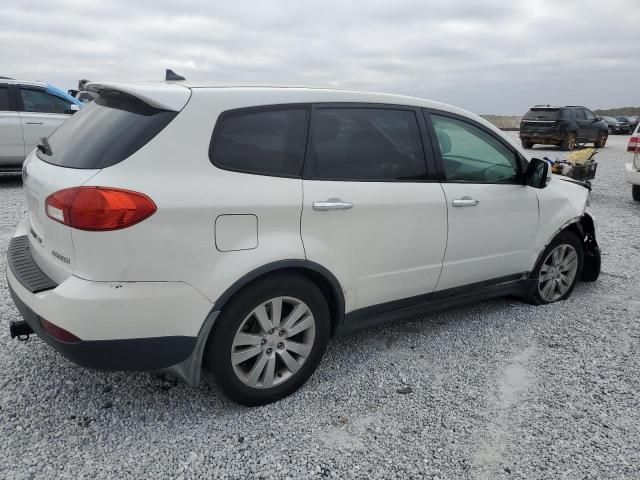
x,y
537,175
73,108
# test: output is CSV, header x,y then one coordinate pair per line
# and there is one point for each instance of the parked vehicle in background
x,y
632,173
291,215
632,120
563,126
616,126
28,112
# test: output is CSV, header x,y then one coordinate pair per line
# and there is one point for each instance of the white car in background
x,y
28,112
239,229
632,173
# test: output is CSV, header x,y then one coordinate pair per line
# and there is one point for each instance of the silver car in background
x,y
28,112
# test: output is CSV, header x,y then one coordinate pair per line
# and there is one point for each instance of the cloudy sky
x,y
487,56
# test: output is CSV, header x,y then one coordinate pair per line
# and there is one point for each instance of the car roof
x,y
23,82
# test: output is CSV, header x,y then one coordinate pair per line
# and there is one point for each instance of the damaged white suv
x,y
174,226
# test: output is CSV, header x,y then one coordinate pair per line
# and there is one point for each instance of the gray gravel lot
x,y
499,390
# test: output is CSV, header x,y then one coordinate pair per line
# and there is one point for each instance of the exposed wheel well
x,y
585,231
321,277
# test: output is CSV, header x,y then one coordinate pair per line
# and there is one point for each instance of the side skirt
x,y
517,285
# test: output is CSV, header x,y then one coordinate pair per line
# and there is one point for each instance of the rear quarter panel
x,y
177,243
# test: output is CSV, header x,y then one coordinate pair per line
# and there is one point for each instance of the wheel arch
x,y
319,275
584,228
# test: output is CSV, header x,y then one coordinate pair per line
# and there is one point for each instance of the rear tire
x,y
558,270
280,355
635,192
602,140
568,142
527,144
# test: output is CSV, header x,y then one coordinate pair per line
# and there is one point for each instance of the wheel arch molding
x,y
321,276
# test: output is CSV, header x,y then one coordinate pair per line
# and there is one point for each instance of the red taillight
x,y
57,332
634,142
98,208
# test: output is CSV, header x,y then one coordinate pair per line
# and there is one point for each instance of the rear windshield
x,y
105,132
542,114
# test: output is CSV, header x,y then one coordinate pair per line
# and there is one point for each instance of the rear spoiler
x,y
166,96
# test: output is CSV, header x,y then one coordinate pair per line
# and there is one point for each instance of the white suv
x,y
632,170
173,225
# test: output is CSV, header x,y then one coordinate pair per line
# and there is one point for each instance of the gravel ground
x,y
498,390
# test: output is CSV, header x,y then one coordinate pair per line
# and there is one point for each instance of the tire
x,y
601,141
635,192
539,295
274,357
527,144
568,142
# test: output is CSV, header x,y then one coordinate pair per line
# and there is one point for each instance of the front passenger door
x,y
11,142
493,216
41,113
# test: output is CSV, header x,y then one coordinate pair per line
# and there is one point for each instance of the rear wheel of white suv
x,y
269,339
558,270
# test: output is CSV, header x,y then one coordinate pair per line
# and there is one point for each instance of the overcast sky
x,y
487,56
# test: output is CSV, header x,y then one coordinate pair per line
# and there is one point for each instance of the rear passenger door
x,y
41,113
11,141
492,214
371,214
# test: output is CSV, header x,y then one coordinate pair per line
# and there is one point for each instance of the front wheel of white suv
x,y
269,339
558,270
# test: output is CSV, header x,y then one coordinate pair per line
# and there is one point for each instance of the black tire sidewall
x,y
218,351
635,192
565,237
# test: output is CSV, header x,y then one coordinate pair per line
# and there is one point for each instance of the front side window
x,y
580,115
471,154
365,144
589,114
262,142
42,102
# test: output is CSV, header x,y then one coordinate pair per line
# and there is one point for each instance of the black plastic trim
x,y
25,268
377,314
131,354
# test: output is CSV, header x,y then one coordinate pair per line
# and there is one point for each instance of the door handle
x,y
332,204
465,202
35,123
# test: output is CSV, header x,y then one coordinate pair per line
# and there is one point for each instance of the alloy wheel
x,y
273,342
558,273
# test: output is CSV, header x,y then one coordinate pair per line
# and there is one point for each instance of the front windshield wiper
x,y
44,146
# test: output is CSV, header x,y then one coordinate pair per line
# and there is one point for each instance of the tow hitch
x,y
21,329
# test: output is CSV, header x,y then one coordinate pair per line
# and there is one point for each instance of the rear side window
x,y
105,132
565,114
39,101
4,98
262,142
365,144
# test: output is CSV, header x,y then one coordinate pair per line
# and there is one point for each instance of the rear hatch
x,y
102,134
540,120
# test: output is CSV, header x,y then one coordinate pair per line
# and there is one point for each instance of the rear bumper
x,y
544,138
631,175
136,354
141,326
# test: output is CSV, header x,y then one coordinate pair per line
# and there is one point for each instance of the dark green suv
x,y
562,126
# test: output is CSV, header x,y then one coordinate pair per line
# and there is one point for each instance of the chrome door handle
x,y
465,202
35,123
332,204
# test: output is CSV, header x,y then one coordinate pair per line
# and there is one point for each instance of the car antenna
x,y
171,76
